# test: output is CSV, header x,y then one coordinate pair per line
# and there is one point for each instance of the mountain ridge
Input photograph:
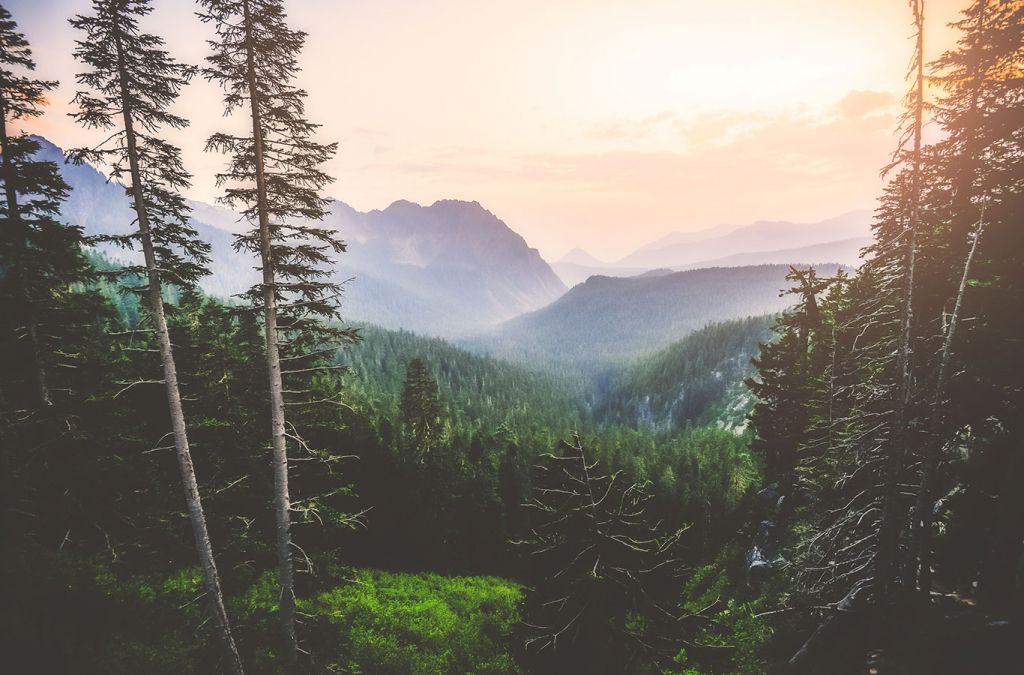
x,y
448,268
607,319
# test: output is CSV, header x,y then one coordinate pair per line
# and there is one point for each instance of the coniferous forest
x,y
656,474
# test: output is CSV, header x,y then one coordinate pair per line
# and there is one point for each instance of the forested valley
x,y
640,483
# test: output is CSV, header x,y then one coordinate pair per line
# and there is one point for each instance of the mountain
x,y
675,252
578,256
449,268
673,238
608,319
575,273
837,240
845,252
102,207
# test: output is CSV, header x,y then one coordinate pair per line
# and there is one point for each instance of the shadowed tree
x,y
127,90
41,257
40,263
274,177
606,576
891,523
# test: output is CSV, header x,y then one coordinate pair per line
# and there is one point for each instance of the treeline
x,y
890,406
475,392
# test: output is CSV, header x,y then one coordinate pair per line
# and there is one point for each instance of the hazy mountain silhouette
x,y
608,318
449,268
673,252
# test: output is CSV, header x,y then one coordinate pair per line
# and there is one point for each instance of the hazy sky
x,y
593,123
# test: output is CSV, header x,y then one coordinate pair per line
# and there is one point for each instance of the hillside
x,y
475,391
686,382
609,319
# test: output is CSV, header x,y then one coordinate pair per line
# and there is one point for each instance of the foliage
x,y
421,412
383,622
602,571
683,383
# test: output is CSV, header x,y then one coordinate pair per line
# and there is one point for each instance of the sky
x,y
601,124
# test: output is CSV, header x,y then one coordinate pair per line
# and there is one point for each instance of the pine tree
x,y
41,263
128,88
274,178
896,447
421,411
41,257
983,167
784,382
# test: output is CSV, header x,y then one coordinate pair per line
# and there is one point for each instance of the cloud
x,y
858,104
633,129
638,179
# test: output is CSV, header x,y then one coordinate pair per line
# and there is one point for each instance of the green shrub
x,y
419,623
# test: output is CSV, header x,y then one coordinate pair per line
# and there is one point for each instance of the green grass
x,y
420,623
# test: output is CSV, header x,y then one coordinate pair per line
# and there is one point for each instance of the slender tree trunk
x,y
40,390
888,535
282,501
922,529
154,294
930,462
6,542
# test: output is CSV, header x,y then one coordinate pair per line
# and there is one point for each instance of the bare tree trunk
x,y
282,501
154,293
888,535
925,499
41,391
6,542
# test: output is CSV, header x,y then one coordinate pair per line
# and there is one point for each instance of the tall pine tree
x,y
128,88
274,177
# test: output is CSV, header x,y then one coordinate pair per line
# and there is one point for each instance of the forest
x,y
260,483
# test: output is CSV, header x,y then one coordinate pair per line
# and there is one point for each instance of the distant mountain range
x,y
836,240
446,269
454,269
607,319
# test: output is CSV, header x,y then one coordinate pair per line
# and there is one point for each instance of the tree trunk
x,y
888,535
282,501
925,499
154,294
6,541
41,392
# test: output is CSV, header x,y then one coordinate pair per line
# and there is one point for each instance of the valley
x,y
763,417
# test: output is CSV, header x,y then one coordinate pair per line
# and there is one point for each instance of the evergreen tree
x,y
421,411
981,164
274,178
784,382
40,257
128,88
895,447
